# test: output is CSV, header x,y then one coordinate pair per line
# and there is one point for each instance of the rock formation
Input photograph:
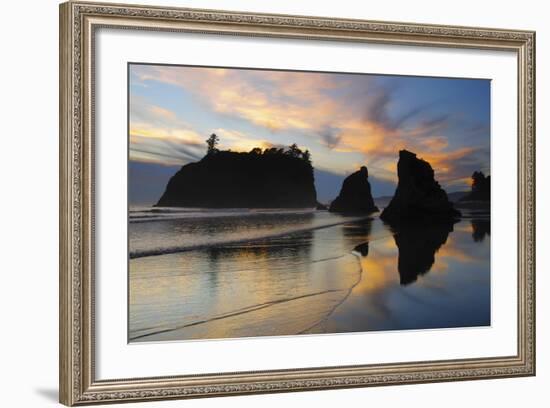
x,y
481,188
225,179
355,196
418,196
480,229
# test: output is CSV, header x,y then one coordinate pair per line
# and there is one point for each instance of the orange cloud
x,y
161,112
318,106
272,99
239,141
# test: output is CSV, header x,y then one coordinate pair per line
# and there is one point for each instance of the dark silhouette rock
x,y
481,188
362,249
276,178
355,196
417,246
480,229
418,195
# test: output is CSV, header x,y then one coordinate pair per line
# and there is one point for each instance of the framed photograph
x,y
256,203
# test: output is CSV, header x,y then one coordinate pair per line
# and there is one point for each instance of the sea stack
x,y
355,196
225,179
418,196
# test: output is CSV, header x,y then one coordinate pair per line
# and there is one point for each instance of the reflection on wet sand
x,y
272,287
357,276
480,228
417,246
391,295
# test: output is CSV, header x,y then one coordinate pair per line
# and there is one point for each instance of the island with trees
x,y
275,177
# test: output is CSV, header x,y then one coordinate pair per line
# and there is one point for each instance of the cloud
x,y
410,114
163,150
354,115
239,141
479,128
271,99
142,111
162,112
377,107
330,137
157,135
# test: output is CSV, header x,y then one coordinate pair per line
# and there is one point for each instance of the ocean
x,y
212,274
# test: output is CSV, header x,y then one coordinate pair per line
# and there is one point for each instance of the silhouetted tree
x,y
478,181
212,143
274,150
306,156
294,151
480,228
256,151
481,187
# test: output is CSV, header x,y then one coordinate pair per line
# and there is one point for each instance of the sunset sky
x,y
345,120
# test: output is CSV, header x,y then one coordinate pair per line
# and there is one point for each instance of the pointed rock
x,y
355,196
418,196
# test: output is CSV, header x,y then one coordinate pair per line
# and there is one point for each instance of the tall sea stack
x,y
418,196
355,196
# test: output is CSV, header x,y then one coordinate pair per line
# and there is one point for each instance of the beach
x,y
211,274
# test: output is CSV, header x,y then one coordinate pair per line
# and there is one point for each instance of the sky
x,y
345,120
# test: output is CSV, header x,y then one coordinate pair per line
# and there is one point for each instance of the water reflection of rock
x,y
417,245
357,231
362,249
358,235
480,228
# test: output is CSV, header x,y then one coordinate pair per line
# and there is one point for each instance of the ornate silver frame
x,y
78,22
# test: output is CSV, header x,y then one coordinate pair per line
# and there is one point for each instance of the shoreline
x,y
178,249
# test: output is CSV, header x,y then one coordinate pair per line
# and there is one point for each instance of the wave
x,y
213,243
175,213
